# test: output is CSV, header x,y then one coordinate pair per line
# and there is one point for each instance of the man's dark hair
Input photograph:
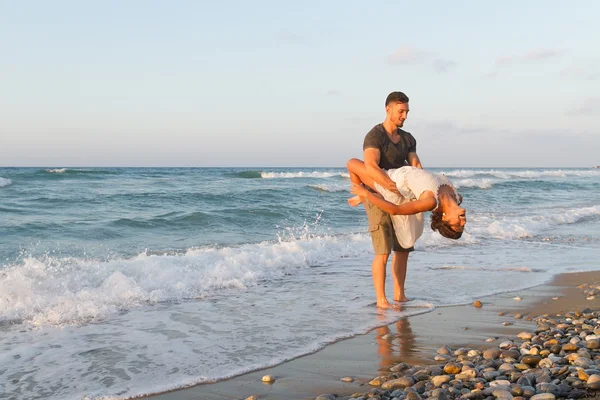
x,y
396,97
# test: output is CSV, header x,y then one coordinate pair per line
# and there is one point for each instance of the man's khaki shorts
x,y
382,231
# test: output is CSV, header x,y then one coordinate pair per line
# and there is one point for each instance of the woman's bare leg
x,y
358,175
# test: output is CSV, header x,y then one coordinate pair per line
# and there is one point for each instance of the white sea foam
x,y
482,183
73,290
57,170
302,174
525,174
332,188
508,227
5,182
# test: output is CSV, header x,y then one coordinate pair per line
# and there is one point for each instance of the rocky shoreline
x,y
560,359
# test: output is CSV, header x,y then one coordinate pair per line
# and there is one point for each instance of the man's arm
x,y
413,160
372,156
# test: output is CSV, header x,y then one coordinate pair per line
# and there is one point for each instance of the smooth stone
x,y
592,344
347,379
325,397
531,360
442,357
515,354
528,391
377,381
444,350
525,336
543,396
506,368
399,383
452,368
413,396
477,304
516,390
582,362
252,397
521,366
440,380
518,316
502,394
570,347
524,381
499,382
466,375
399,367
490,375
581,374
268,378
556,349
577,394
593,382
548,388
544,378
491,354
505,345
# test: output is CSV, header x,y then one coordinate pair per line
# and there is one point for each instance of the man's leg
x,y
378,270
399,267
382,233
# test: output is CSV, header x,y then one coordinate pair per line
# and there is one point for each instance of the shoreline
x,y
413,340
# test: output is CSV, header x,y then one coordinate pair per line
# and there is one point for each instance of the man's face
x,y
397,113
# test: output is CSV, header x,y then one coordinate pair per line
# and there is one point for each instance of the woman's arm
x,y
408,208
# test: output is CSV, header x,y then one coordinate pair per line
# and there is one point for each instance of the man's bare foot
x,y
354,201
386,304
402,299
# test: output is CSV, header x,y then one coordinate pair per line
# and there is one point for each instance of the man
x,y
387,146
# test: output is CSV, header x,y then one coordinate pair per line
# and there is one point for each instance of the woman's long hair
x,y
443,227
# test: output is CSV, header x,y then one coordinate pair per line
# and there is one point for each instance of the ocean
x,y
118,282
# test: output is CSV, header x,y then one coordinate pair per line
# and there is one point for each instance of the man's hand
x,y
372,156
392,187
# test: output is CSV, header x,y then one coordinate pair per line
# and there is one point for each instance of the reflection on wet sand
x,y
395,345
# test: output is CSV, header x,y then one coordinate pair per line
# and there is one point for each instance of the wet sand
x,y
413,340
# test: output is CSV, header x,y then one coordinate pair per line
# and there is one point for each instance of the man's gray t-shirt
x,y
393,155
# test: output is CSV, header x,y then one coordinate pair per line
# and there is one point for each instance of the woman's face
x,y
457,218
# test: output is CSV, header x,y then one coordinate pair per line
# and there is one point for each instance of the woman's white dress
x,y
411,183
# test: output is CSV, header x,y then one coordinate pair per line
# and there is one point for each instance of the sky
x,y
277,83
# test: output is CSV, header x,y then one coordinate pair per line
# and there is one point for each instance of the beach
x,y
413,340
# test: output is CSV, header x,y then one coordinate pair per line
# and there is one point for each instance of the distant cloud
x,y
532,56
411,56
333,93
406,55
588,106
586,74
287,36
491,75
442,66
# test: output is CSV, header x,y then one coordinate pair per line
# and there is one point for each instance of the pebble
x,y
268,378
347,379
477,304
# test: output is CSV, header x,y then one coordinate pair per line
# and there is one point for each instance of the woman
x,y
420,191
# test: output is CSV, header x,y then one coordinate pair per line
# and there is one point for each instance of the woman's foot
x,y
354,201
